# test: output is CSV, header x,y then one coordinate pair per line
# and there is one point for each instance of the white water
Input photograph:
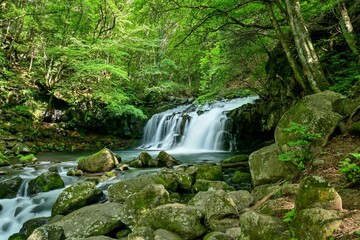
x,y
192,128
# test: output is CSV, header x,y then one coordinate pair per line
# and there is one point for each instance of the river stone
x,y
242,199
141,233
314,191
146,159
102,161
222,225
9,188
217,236
236,159
118,192
200,199
265,166
163,159
220,206
313,111
209,172
139,203
45,182
97,219
47,232
207,185
30,225
180,219
184,180
75,197
162,234
316,223
276,207
256,226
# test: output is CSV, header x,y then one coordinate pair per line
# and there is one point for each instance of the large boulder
x,y
242,199
316,114
163,159
102,161
139,203
47,232
180,219
144,160
75,197
217,236
206,185
209,172
276,207
316,223
256,226
9,188
97,219
45,182
265,166
162,234
314,191
118,192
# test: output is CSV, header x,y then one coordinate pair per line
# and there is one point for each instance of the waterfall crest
x,y
192,127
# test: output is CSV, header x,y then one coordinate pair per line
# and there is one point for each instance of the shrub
x,y
350,169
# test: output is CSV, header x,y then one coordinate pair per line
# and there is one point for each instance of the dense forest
x,y
95,64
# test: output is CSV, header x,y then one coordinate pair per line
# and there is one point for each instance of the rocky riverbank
x,y
300,189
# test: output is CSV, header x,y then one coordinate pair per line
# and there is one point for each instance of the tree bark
x,y
288,51
348,30
305,48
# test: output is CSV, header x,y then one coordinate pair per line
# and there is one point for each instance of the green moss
x,y
26,158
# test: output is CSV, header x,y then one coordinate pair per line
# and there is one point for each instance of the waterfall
x,y
193,127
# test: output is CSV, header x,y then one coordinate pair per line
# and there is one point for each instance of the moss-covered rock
x,y
102,161
354,129
48,232
118,192
236,159
266,168
75,197
30,225
256,226
45,182
93,220
180,219
184,180
141,233
313,111
163,159
217,236
276,207
316,223
162,234
210,172
9,188
139,203
314,191
220,206
206,185
241,198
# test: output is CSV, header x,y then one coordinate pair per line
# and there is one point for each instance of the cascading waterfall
x,y
191,127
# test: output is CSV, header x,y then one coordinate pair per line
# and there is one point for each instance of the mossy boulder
x,y
314,191
256,226
217,236
139,203
162,234
184,180
93,220
164,159
180,219
206,185
30,225
76,196
220,206
236,159
118,192
102,161
316,223
316,114
242,199
45,182
47,232
276,207
210,172
265,166
9,188
354,128
141,233
144,160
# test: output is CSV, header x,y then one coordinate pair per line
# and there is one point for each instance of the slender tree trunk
x,y
285,44
306,51
348,30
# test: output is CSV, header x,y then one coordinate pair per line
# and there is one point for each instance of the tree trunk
x,y
307,54
289,53
348,30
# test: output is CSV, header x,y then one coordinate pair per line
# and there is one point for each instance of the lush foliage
x,y
300,148
351,168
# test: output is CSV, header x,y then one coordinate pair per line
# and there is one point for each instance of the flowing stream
x,y
192,134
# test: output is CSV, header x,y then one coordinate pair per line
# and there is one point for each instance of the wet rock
x,y
75,197
236,159
184,180
165,160
9,188
45,182
48,232
102,161
29,226
144,160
